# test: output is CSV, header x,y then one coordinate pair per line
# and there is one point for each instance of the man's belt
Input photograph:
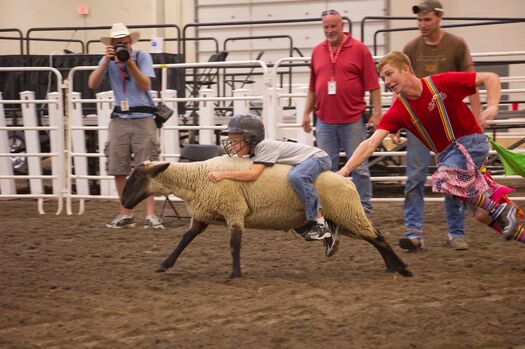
x,y
143,109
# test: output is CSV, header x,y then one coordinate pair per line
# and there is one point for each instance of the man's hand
x,y
110,53
396,137
343,172
306,123
215,176
488,114
374,119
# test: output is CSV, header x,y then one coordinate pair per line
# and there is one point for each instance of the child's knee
x,y
295,177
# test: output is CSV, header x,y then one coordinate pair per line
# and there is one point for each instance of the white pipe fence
x,y
70,177
169,134
33,153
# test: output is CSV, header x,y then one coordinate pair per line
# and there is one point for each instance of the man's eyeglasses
x,y
329,12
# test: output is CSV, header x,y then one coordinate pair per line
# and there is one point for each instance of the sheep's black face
x,y
136,187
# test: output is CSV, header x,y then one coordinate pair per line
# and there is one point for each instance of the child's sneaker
x,y
153,222
317,232
121,221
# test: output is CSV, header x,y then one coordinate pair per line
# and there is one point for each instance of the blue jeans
x,y
301,178
418,159
477,146
332,137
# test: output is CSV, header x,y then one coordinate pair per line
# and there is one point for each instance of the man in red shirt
x,y
433,51
433,110
342,70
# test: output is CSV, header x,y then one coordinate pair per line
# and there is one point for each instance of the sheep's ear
x,y
155,170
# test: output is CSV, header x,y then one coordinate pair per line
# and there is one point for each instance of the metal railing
x,y
31,130
30,31
169,131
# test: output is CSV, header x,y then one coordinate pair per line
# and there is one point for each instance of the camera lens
x,y
122,53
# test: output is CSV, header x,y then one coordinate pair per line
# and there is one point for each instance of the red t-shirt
x,y
355,73
453,87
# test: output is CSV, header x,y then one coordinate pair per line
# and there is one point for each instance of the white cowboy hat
x,y
119,30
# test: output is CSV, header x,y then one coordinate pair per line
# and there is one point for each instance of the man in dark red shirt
x,y
342,70
433,110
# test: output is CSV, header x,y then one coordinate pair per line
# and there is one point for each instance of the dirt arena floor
x,y
68,282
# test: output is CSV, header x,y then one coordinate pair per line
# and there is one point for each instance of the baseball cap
x,y
428,6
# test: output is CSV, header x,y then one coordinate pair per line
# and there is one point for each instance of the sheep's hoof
x,y
234,275
405,272
402,271
161,269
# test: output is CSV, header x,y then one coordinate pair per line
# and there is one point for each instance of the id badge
x,y
124,105
331,87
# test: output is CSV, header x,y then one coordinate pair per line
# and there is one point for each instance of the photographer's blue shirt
x,y
135,96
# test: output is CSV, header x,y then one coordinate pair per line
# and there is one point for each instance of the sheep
x,y
267,203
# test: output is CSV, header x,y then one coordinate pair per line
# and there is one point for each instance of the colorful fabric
x,y
453,87
484,202
519,234
355,72
499,192
465,184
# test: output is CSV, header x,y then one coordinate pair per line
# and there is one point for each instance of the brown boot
x,y
411,244
457,243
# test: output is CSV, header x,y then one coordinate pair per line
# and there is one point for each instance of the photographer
x,y
133,136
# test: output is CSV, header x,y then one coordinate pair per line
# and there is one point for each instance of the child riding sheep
x,y
246,138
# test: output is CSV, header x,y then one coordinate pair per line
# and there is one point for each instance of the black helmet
x,y
250,126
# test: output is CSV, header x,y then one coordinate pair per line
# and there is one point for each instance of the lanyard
x,y
442,113
333,57
122,76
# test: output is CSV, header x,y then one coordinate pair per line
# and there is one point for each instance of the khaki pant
x,y
130,143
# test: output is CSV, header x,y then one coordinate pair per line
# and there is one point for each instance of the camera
x,y
122,53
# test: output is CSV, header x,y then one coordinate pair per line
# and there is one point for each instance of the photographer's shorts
x,y
130,143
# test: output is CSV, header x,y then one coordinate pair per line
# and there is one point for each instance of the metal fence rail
x,y
31,130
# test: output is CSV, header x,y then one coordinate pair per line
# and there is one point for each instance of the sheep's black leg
x,y
195,229
392,260
235,249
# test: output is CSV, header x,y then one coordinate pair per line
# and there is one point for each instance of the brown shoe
x,y
458,243
411,244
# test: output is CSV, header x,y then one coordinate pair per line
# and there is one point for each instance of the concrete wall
x,y
25,14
